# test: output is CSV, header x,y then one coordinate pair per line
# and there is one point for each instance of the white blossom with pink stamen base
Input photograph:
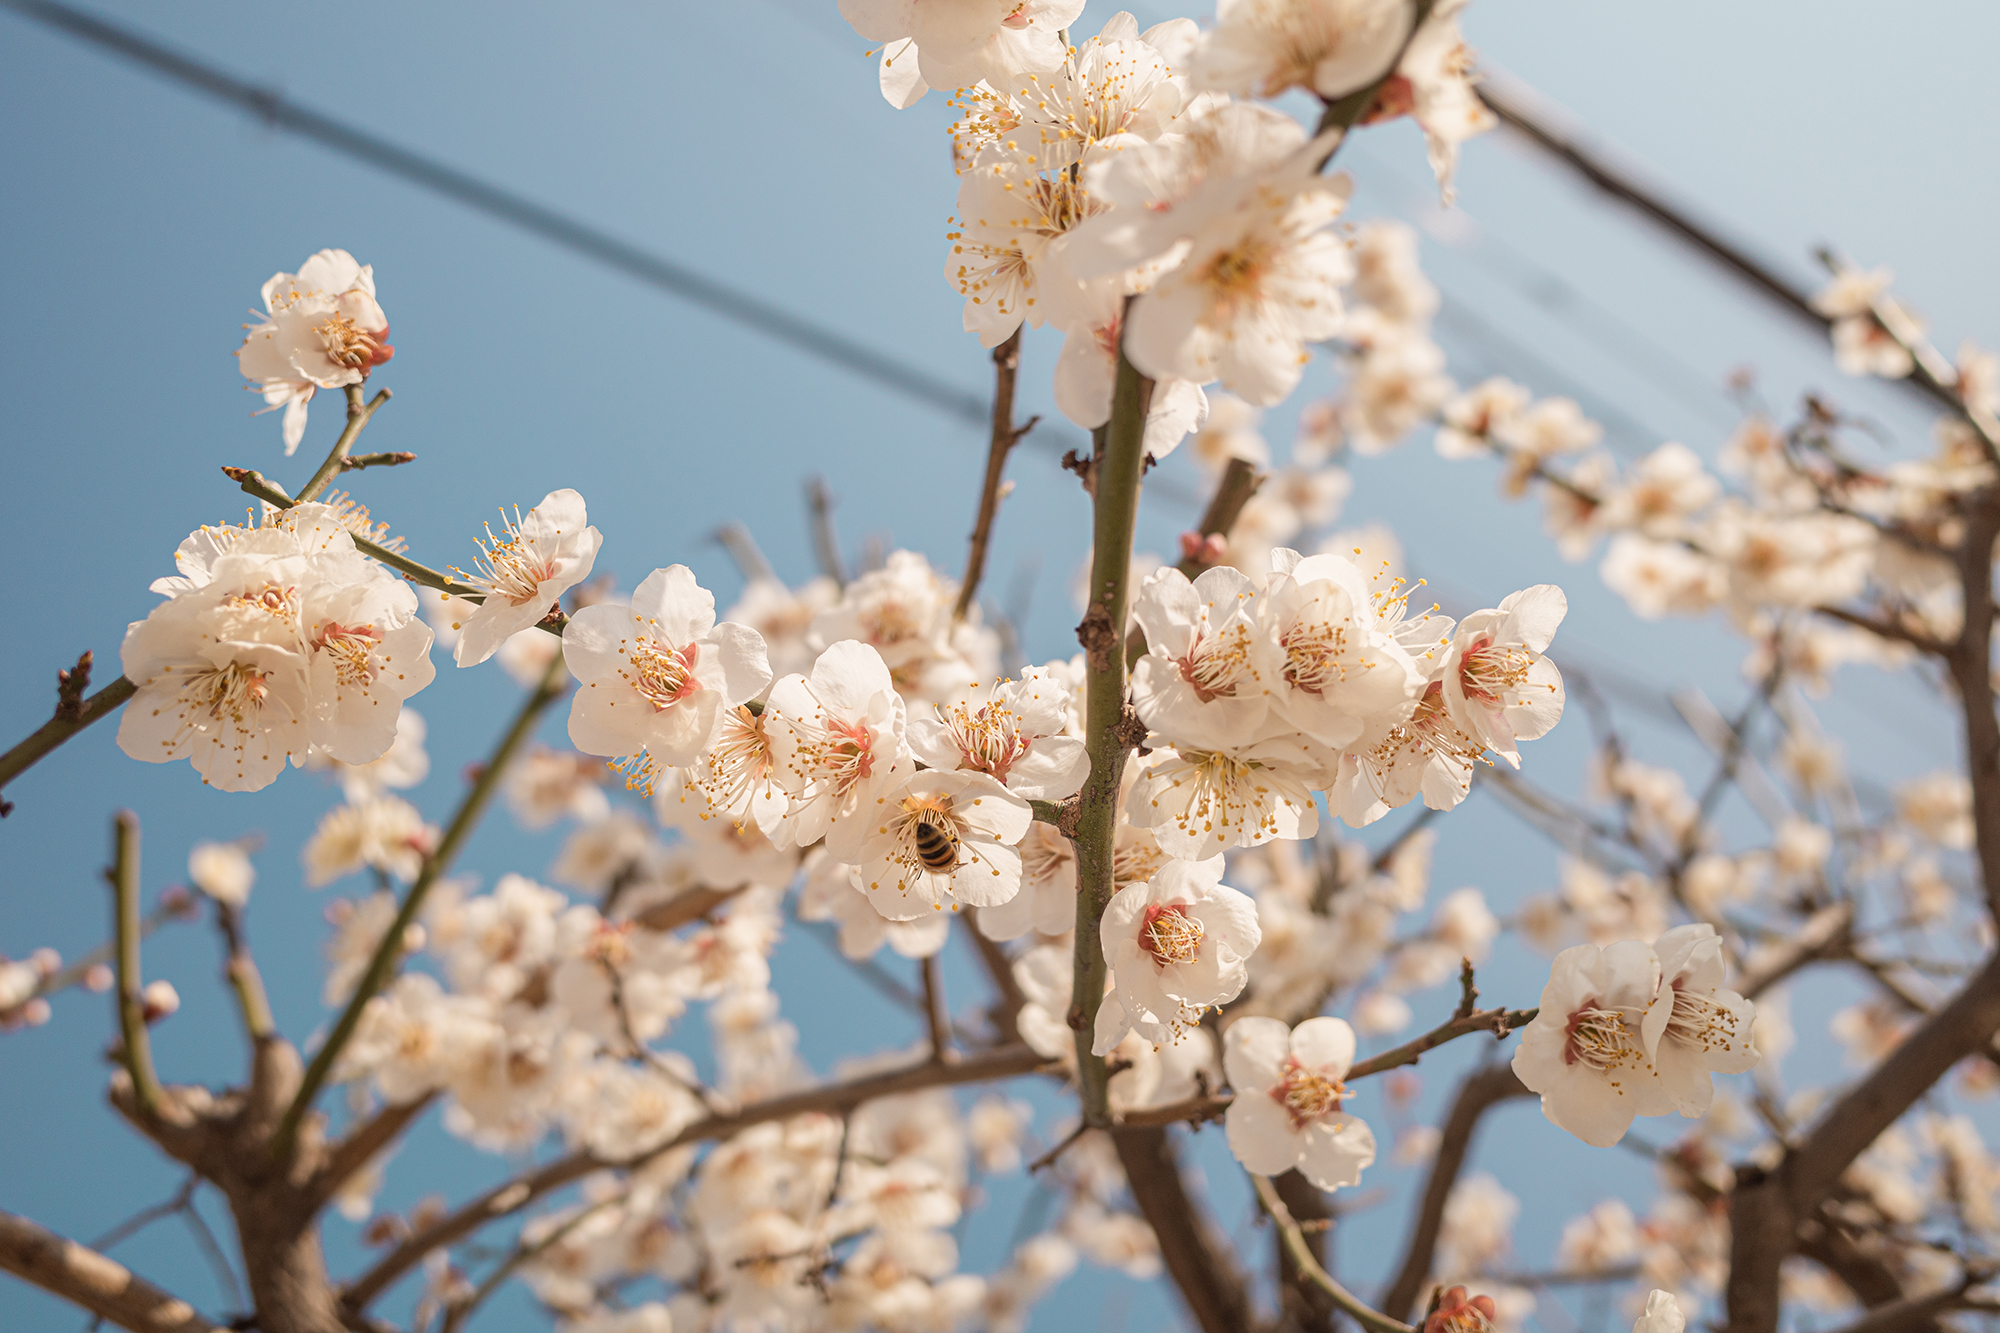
x,y
524,570
1013,731
1201,682
837,748
321,329
1588,1051
1707,1028
943,838
657,675
1287,1112
1175,945
1498,687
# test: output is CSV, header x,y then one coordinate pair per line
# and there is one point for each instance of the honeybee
x,y
937,847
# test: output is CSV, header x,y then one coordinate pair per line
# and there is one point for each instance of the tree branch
x,y
99,1284
1481,1092
59,729
1197,1259
136,1049
1006,362
1302,1256
937,1013
337,460
1115,507
511,1196
390,950
362,1145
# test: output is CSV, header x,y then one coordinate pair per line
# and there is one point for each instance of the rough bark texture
x,y
1197,1259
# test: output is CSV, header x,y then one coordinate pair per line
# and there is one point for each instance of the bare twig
x,y
358,413
742,547
1302,1257
390,950
70,687
356,462
137,1051
1005,435
59,729
99,1284
826,545
252,1005
174,904
937,1015
684,907
835,1098
363,1144
1009,998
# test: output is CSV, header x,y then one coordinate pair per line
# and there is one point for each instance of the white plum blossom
x,y
1013,731
1199,683
321,329
657,675
524,570
1260,280
942,837
1286,1113
837,746
1498,687
1329,47
1176,945
1199,802
957,43
1707,1028
384,833
1588,1050
1661,1315
222,870
831,891
1046,903
1331,668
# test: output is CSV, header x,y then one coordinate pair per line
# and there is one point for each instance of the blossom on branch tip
x,y
1287,1110
321,329
837,747
524,570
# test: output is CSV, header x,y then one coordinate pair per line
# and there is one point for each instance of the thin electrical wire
x,y
275,110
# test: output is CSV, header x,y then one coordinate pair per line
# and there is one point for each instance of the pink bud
x,y
45,961
98,977
35,1012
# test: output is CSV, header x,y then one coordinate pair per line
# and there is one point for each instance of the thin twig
x,y
248,984
511,1196
137,1051
1309,1266
826,545
356,462
336,458
390,950
742,547
937,1016
59,729
1005,435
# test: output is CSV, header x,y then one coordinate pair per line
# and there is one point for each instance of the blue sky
x,y
748,142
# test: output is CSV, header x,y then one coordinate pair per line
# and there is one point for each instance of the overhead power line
x,y
1528,115
274,109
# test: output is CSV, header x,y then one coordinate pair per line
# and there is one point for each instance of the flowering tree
x,y
1129,839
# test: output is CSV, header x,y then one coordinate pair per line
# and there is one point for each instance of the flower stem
x,y
124,877
1108,737
390,951
336,461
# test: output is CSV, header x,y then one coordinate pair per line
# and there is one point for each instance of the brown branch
x,y
1887,629
336,458
94,1281
687,906
59,729
1198,1260
1005,435
511,1196
1827,933
1294,1242
1481,1092
937,1013
1499,1022
240,970
1006,1011
1912,1314
359,461
362,1145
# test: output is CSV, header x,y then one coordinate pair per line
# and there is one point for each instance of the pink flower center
x,y
665,674
1307,1094
1170,934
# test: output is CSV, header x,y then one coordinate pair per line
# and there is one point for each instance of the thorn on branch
x,y
70,688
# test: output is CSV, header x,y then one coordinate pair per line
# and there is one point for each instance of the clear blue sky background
x,y
747,140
